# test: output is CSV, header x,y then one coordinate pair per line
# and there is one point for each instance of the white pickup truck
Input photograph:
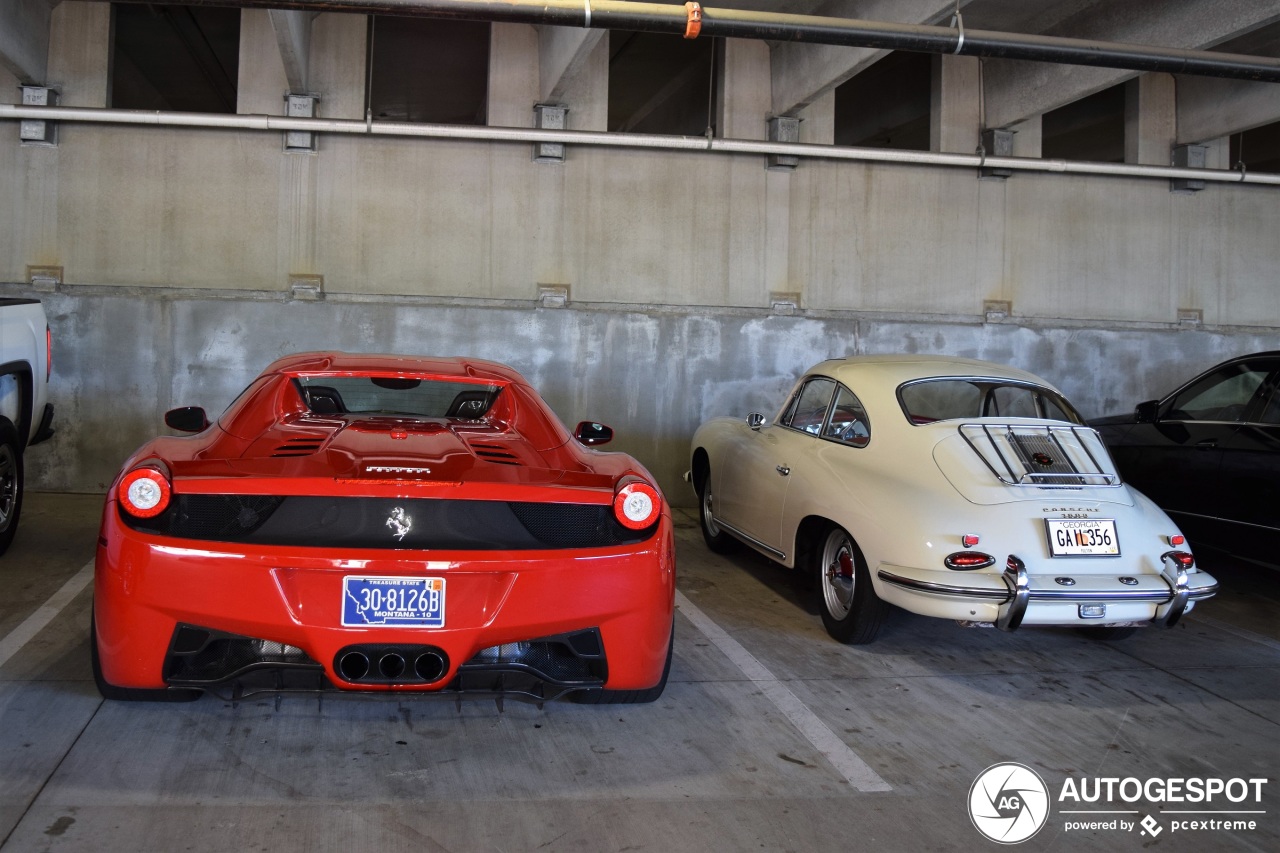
x,y
26,415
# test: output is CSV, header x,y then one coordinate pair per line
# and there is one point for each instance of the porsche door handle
x,y
784,470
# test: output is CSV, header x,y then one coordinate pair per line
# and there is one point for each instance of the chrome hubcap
x,y
838,570
707,520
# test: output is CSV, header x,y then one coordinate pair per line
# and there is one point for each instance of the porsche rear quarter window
x,y
404,396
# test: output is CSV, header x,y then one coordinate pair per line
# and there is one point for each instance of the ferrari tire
x,y
851,609
11,483
132,694
717,540
630,697
1108,633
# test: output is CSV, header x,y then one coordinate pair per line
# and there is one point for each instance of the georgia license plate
x,y
392,602
1094,537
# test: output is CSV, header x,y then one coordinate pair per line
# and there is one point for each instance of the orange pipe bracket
x,y
693,25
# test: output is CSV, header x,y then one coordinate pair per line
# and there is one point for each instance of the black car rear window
x,y
400,396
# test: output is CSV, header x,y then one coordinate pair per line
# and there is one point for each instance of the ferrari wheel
x,y
630,697
131,694
717,540
851,610
10,483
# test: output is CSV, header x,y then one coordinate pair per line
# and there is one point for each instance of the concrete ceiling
x,y
184,58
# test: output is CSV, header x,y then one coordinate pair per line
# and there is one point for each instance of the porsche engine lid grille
x,y
389,523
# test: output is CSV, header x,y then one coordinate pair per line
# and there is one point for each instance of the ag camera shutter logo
x,y
1008,803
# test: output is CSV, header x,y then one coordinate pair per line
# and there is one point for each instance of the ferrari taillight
x,y
967,561
144,492
637,505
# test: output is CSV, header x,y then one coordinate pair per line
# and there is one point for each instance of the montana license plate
x,y
392,602
1093,537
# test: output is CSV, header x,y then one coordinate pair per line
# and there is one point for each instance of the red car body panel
x,y
269,443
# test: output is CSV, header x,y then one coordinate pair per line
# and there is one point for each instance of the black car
x,y
1209,455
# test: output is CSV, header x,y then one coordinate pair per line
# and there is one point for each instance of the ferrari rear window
x,y
929,400
399,396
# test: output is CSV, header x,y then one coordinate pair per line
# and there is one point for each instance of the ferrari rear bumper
x,y
536,624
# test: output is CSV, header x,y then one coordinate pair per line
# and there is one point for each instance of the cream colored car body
x,y
911,493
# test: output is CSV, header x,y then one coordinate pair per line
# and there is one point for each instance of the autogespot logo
x,y
1008,803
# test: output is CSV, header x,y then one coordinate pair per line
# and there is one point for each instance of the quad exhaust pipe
x,y
370,664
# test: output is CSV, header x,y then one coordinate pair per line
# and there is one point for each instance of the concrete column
x,y
818,121
1028,137
586,92
955,104
513,74
1150,119
80,53
261,84
745,95
339,64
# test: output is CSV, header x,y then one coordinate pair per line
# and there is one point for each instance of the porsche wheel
x,y
717,540
851,610
10,483
131,694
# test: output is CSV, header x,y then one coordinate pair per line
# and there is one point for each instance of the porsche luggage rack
x,y
1046,457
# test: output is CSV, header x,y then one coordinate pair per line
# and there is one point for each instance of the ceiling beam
x,y
1016,90
802,73
24,39
293,34
562,54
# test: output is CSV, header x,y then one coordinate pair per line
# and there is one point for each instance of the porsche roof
x,y
896,369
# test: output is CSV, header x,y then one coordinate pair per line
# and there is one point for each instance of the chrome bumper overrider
x,y
1017,593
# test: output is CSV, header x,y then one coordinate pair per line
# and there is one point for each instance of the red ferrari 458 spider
x,y
383,523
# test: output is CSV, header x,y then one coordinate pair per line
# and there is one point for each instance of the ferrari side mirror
x,y
186,419
591,433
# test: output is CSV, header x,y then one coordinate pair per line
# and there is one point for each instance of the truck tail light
x,y
144,492
637,505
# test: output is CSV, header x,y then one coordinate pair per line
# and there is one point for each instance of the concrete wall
x,y
177,246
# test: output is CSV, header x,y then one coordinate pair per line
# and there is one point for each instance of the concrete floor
x,y
770,736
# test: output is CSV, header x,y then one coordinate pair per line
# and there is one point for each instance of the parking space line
x,y
836,751
45,613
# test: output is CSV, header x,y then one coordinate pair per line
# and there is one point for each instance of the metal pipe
x,y
259,122
812,29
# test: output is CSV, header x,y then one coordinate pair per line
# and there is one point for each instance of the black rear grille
x,y
300,446
495,453
200,656
385,523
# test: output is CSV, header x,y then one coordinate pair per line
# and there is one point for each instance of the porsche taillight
x,y
1182,559
967,561
144,492
637,505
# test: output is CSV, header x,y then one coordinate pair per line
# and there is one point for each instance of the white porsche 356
x,y
951,488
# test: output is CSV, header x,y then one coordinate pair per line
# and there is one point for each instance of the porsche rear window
x,y
929,400
400,396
